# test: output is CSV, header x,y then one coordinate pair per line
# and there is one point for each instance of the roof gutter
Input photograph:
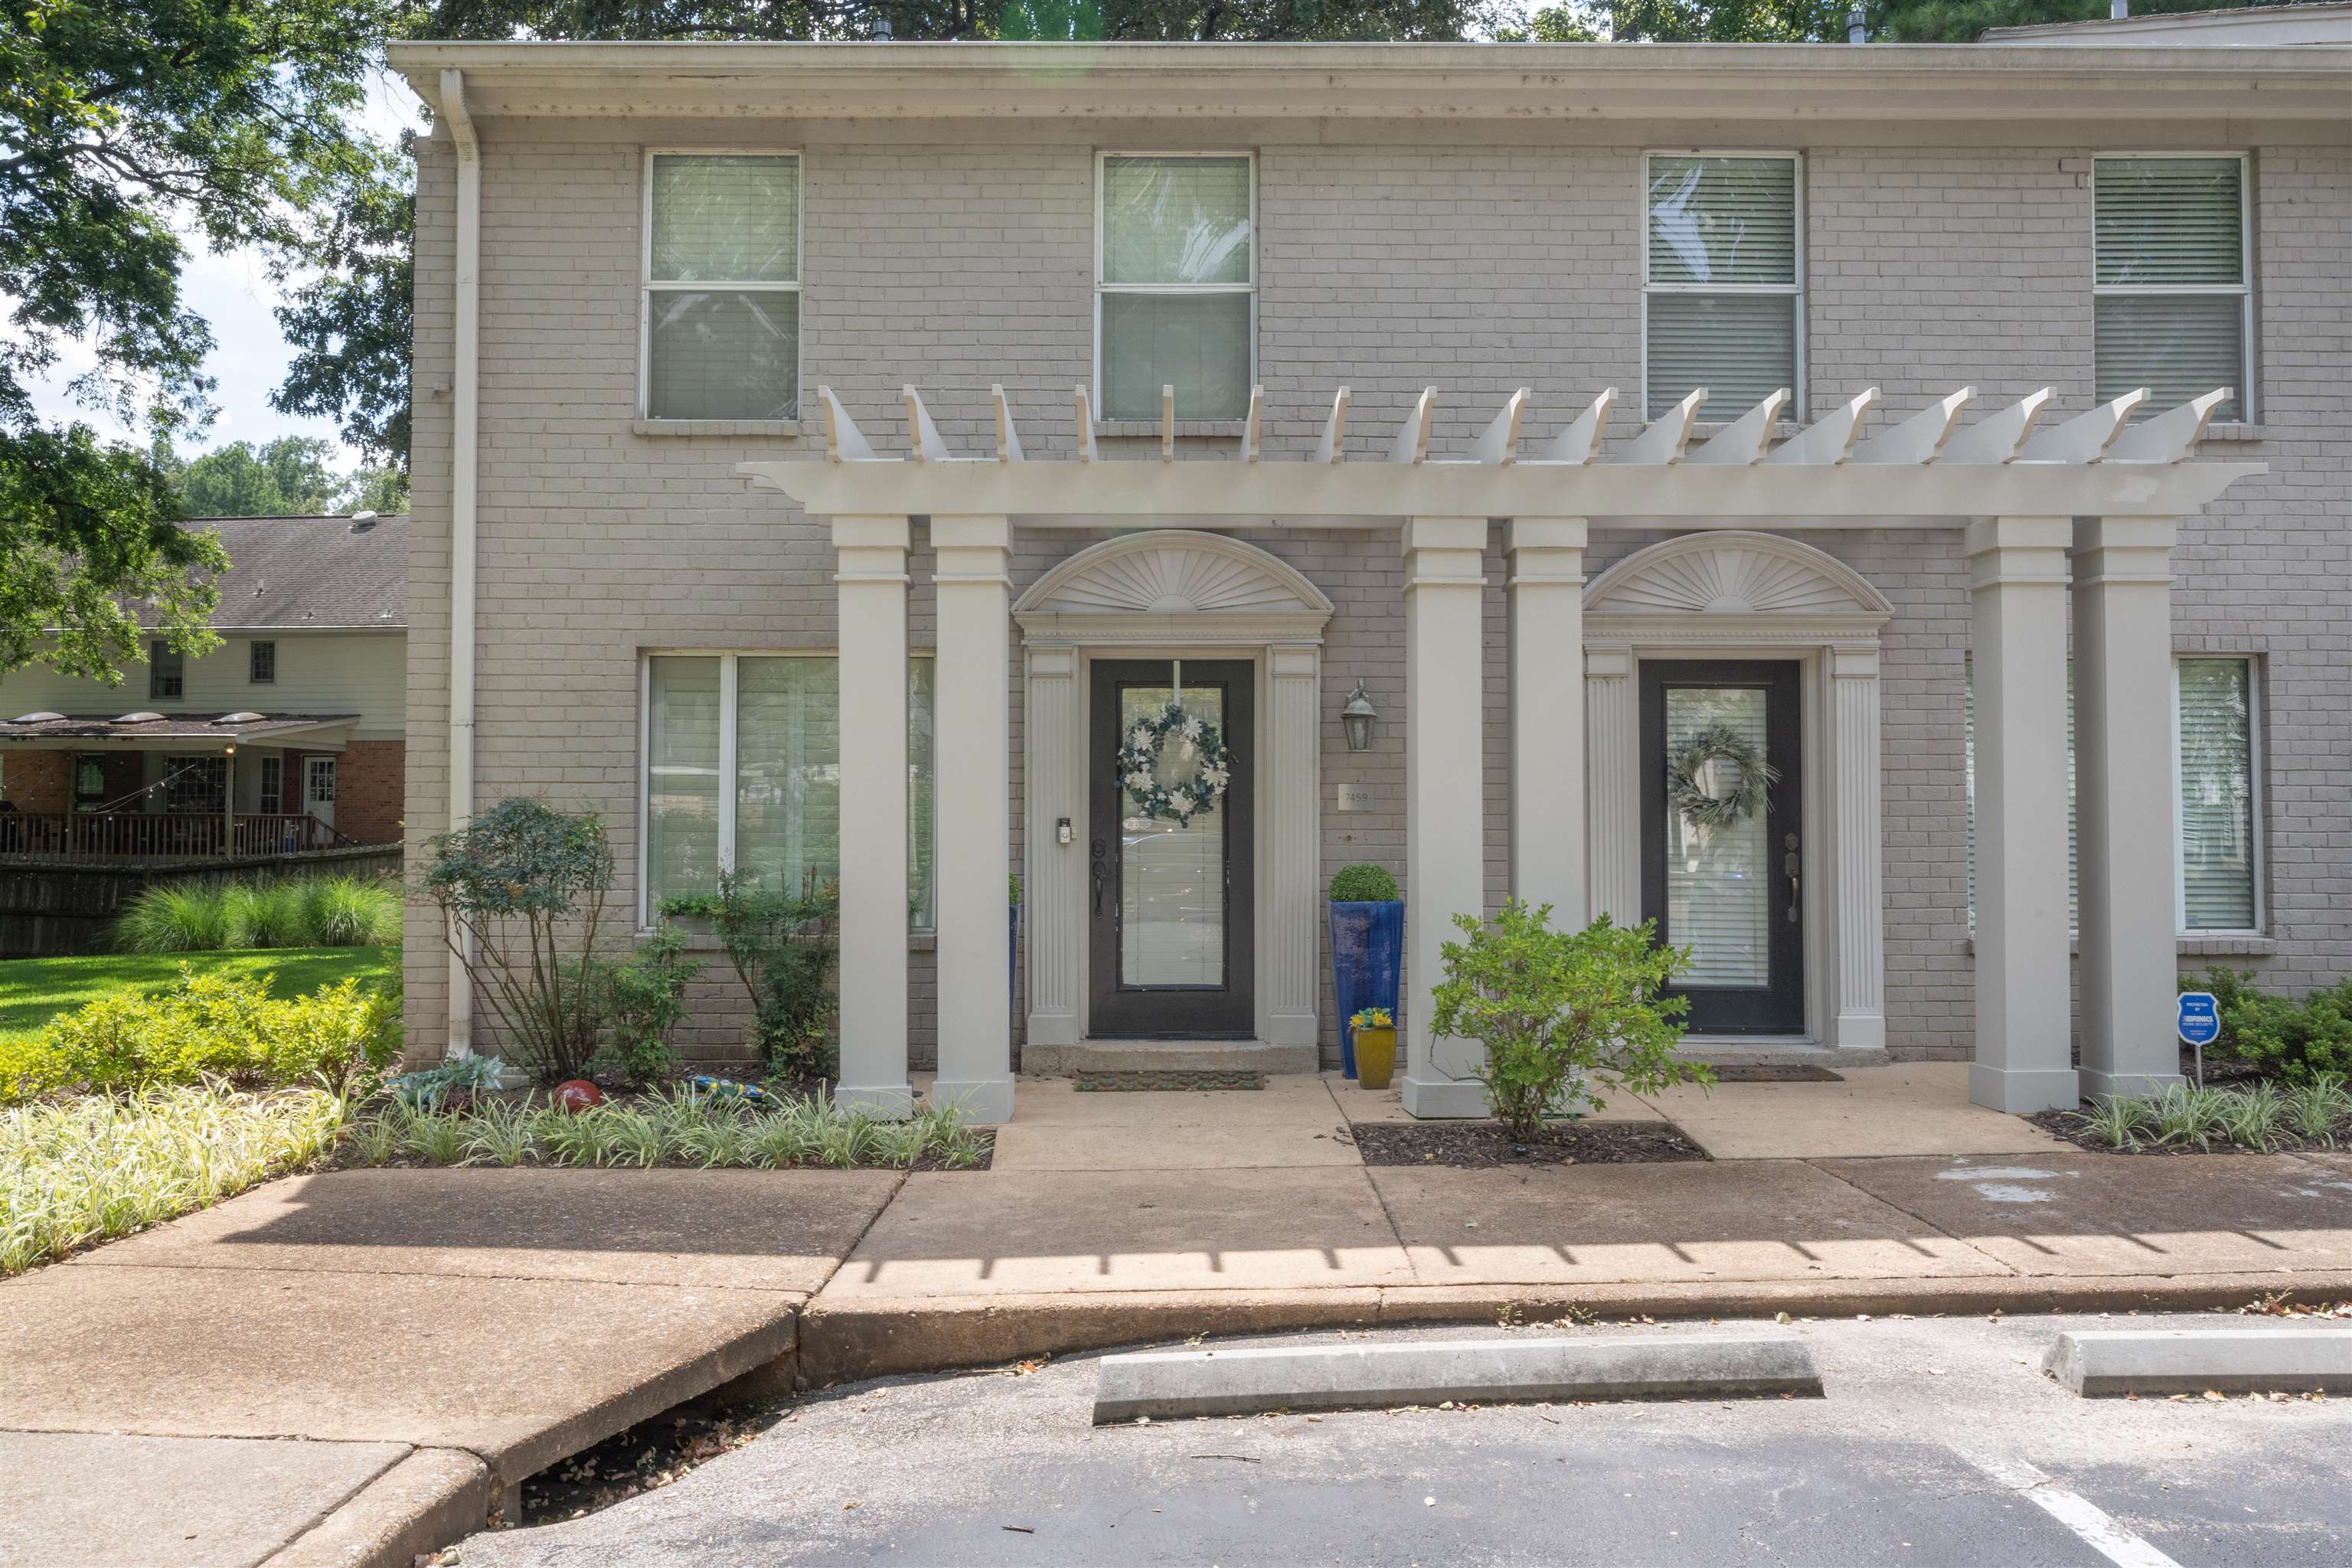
x,y
464,461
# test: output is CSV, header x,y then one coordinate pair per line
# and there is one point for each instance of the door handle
x,y
1099,875
1790,864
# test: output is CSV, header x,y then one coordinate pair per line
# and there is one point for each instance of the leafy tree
x,y
376,489
285,477
119,122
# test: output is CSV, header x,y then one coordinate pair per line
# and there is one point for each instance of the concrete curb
x,y
430,1498
1346,1377
846,1339
2191,1361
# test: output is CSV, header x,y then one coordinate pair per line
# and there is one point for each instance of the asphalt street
x,y
1939,1441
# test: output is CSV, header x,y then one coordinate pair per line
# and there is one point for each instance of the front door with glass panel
x,y
1169,881
1722,865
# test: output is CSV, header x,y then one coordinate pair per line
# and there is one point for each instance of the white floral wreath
x,y
1138,764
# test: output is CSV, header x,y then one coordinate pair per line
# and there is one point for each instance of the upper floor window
x,y
166,671
1176,284
1722,280
2170,278
722,292
261,662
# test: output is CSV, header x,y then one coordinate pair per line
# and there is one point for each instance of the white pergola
x,y
2087,506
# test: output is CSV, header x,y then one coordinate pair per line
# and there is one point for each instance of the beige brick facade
x,y
1386,265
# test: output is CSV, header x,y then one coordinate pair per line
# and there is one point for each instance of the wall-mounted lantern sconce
x,y
1357,717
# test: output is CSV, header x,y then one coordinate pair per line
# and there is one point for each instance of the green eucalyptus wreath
x,y
1138,764
1719,743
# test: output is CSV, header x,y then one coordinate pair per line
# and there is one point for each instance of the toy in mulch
x,y
576,1095
704,1084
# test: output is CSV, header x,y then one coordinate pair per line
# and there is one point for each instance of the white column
x,y
2018,587
871,588
1547,779
1612,786
1053,892
972,726
1291,809
2124,802
1445,591
1856,851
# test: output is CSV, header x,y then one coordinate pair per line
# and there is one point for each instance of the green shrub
x,y
1364,885
1551,1007
207,1026
2290,1040
86,1170
289,912
782,948
642,999
173,918
523,890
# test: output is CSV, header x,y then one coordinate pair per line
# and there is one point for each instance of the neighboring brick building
x,y
1477,218
298,713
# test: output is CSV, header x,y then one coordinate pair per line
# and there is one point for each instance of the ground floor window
x,y
272,801
2216,819
196,785
742,768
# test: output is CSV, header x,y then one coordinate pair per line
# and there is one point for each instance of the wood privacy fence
x,y
51,905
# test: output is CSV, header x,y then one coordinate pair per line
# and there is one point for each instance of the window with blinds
x,y
722,292
1176,284
742,769
2171,294
1722,279
2215,818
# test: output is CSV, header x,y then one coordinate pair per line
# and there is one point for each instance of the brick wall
x,y
1387,266
37,781
368,784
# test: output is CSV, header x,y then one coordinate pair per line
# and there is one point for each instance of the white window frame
x,y
2255,845
1795,290
1102,158
729,660
647,286
2244,288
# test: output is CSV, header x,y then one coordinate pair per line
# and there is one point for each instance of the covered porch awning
x,y
2081,508
140,731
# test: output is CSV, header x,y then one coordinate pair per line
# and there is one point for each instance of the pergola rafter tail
x,y
1923,468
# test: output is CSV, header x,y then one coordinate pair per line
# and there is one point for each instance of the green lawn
x,y
35,990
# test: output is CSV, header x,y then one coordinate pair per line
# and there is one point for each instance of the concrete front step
x,y
1720,1051
1169,1056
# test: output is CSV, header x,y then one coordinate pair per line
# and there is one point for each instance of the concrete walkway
x,y
348,1369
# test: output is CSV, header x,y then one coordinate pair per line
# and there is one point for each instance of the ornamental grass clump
x,y
1553,1007
288,911
75,1171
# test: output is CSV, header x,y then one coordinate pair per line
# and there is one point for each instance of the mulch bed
x,y
2067,1125
1483,1145
1110,1082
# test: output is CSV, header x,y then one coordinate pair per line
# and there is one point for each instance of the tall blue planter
x,y
1366,956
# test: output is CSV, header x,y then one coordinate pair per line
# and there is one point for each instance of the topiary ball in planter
x,y
576,1095
1367,948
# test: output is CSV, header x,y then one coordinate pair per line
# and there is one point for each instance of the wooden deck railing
x,y
160,836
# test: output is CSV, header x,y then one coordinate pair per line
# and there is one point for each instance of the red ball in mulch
x,y
577,1095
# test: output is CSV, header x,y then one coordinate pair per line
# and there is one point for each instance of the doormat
x,y
1749,1072
1124,1083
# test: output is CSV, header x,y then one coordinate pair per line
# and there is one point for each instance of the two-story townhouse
x,y
290,734
832,460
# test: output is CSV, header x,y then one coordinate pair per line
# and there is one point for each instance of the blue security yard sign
x,y
2198,1016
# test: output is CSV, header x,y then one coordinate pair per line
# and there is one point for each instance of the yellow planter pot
x,y
1375,1057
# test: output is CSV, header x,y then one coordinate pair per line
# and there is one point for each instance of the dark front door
x,y
1727,891
1170,902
